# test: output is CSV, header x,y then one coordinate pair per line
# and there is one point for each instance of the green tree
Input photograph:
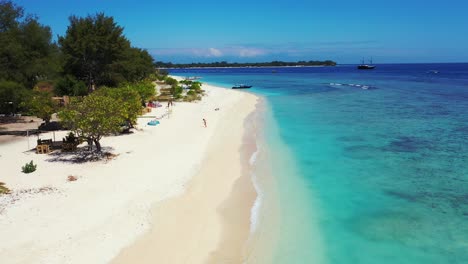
x,y
12,95
145,89
128,100
176,89
69,85
171,81
94,117
196,86
9,14
135,66
27,53
96,52
90,46
177,92
41,105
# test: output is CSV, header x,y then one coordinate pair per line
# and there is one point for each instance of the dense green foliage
x,y
69,85
221,64
94,52
27,53
29,167
41,105
136,65
97,52
94,117
128,100
176,89
194,90
97,115
171,81
11,96
145,89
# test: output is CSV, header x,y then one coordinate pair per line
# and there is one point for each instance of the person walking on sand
x,y
204,122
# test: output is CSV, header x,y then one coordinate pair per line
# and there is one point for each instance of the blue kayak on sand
x,y
153,123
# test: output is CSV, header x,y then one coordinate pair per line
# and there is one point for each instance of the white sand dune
x,y
92,219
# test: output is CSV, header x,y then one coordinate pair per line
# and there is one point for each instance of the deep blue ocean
x,y
380,157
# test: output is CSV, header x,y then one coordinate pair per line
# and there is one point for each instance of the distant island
x,y
225,64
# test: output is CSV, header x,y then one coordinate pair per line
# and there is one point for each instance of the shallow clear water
x,y
380,160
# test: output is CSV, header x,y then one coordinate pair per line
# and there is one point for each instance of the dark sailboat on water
x,y
363,66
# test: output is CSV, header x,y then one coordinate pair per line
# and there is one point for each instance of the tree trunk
x,y
91,86
129,124
90,144
98,145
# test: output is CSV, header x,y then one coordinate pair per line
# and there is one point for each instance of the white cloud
x,y
215,52
251,52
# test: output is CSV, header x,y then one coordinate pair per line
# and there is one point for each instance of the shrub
x,y
12,95
191,93
70,138
3,189
192,97
29,167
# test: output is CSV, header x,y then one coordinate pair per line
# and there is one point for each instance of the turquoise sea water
x,y
379,160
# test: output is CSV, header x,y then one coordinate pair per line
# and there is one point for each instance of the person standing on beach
x,y
204,122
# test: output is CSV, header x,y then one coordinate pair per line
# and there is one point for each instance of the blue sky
x,y
257,30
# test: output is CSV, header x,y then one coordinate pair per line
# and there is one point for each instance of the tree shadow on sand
x,y
82,155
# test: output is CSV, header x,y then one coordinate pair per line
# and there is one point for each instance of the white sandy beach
x,y
166,196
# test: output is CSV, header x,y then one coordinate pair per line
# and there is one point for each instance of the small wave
x,y
255,210
253,158
362,86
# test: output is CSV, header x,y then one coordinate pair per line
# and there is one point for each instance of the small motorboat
x,y
241,86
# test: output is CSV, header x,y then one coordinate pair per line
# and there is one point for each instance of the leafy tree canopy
x,y
97,52
27,53
69,85
11,96
145,89
128,99
96,116
41,105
